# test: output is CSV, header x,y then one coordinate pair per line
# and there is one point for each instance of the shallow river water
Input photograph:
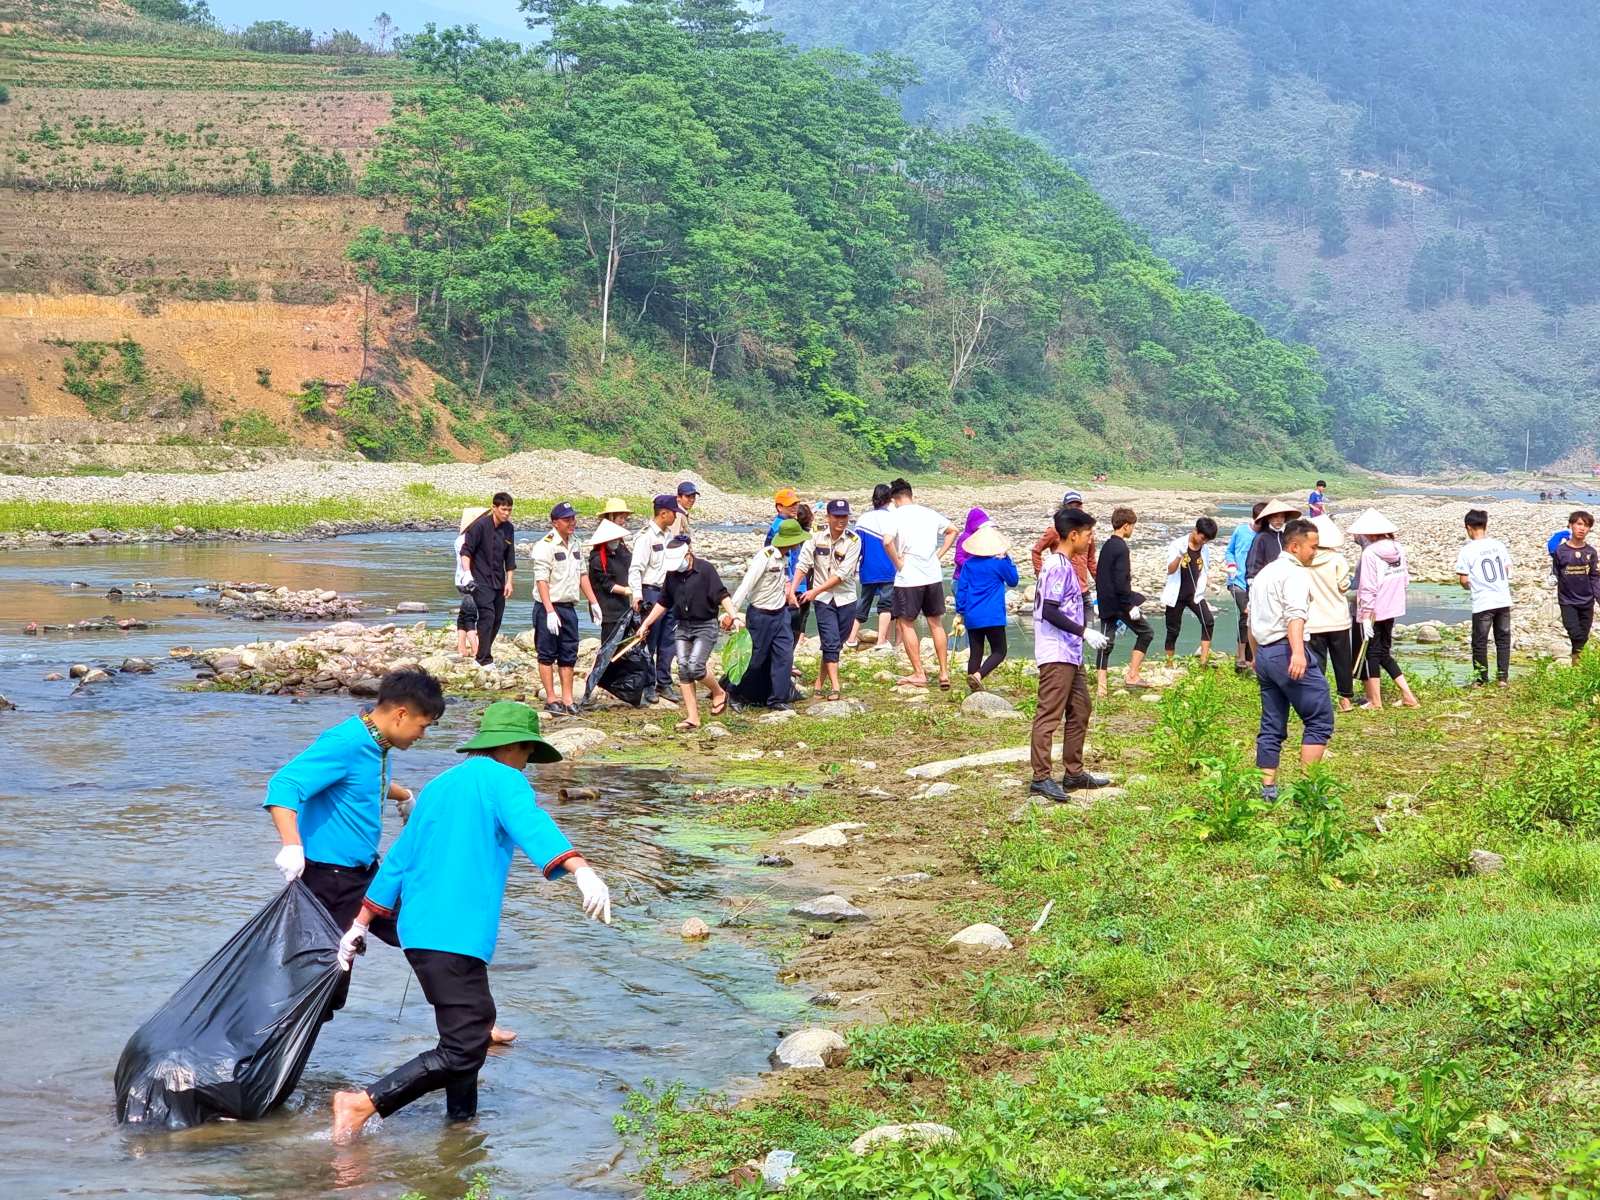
x,y
133,845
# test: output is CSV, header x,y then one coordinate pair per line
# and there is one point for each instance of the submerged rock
x,y
694,930
77,670
5,705
812,1049
136,666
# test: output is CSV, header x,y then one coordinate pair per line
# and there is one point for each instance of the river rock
x,y
981,937
778,716
714,731
344,629
812,1049
1427,635
935,791
694,930
1485,862
95,675
54,677
6,705
77,670
990,705
577,741
836,708
828,908
411,606
774,860
826,1000
911,877
925,1132
828,837
136,666
526,640
364,687
990,758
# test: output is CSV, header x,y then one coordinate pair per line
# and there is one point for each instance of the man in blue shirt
x,y
450,867
327,802
1236,559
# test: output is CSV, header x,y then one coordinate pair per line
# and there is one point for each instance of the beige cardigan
x,y
1330,586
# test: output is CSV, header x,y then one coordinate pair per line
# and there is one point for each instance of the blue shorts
x,y
556,649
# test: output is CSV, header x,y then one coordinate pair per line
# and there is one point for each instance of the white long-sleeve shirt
x,y
766,581
649,566
1280,593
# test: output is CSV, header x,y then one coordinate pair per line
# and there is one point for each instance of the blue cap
x,y
838,508
687,488
562,510
667,503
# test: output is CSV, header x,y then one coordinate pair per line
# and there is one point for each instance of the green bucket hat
x,y
507,722
790,533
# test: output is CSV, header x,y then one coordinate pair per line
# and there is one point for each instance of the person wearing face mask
x,y
559,579
647,573
695,594
831,560
1382,577
1268,543
1289,677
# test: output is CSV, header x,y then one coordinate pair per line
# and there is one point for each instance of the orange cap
x,y
786,496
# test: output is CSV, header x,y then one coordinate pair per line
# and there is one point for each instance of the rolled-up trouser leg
x,y
457,986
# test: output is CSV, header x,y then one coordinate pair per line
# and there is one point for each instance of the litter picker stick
x,y
403,996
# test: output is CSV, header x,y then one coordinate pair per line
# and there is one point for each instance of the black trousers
x,y
1577,620
1241,600
662,640
1380,652
1200,609
1334,650
491,611
1498,620
341,890
457,986
995,637
1143,635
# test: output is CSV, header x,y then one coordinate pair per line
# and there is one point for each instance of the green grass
x,y
419,501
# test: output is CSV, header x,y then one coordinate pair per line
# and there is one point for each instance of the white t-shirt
x,y
879,521
919,532
1487,565
463,575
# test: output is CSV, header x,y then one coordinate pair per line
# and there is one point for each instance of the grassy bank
x,y
416,502
1319,999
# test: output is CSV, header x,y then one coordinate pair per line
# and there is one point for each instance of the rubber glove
x,y
1134,614
594,613
1366,628
353,942
1094,639
406,804
552,622
291,862
596,896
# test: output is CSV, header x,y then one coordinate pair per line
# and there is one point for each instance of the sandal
x,y
721,706
944,685
687,726
835,696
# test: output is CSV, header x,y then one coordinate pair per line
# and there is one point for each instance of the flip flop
x,y
910,681
687,726
835,696
944,685
719,708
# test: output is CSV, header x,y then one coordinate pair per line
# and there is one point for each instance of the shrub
x,y
1230,799
264,377
252,427
1426,1115
1565,870
1189,719
1316,827
1554,781
1557,1002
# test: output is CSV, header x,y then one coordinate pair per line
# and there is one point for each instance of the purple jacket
x,y
1381,593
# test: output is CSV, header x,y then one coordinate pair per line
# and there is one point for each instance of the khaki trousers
x,y
1063,694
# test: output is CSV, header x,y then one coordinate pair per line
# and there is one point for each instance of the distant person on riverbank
x,y
609,563
1236,561
1060,632
1085,564
1484,568
327,802
646,573
918,542
698,600
489,554
467,613
559,579
449,867
1329,624
1317,501
1188,573
1120,603
688,494
1289,677
1577,571
831,560
1268,541
763,594
981,600
785,503
877,570
1382,577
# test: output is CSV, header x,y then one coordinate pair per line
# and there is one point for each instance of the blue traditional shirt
x,y
336,786
1238,556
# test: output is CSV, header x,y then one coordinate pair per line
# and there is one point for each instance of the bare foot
x,y
351,1111
1410,702
502,1037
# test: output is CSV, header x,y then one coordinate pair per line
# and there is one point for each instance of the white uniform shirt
x,y
558,564
649,566
766,581
1280,593
824,558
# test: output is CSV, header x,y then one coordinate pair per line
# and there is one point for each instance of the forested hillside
x,y
667,235
1411,188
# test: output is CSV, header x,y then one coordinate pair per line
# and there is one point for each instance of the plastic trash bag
x,y
627,676
233,1040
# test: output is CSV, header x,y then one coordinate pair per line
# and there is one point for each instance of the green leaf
x,y
736,655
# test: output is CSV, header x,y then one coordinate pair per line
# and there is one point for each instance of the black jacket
x,y
1267,546
1113,581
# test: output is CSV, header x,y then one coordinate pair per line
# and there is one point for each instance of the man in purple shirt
x,y
1059,635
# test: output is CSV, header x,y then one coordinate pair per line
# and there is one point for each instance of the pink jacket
x,y
1381,593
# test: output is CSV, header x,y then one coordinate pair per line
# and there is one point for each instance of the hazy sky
x,y
497,17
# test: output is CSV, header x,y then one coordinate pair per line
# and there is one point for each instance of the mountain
x,y
669,234
1411,188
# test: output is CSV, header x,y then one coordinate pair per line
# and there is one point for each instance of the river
x,y
134,845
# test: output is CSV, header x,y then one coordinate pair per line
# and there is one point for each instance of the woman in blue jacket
x,y
981,600
877,571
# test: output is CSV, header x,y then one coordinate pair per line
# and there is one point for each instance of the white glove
x,y
595,614
1094,639
291,862
551,621
353,942
406,805
596,896
1366,628
1134,614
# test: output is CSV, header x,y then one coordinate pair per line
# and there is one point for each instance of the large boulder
x,y
812,1049
577,741
990,705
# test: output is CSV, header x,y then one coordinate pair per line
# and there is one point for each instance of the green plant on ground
x,y
1426,1116
1230,799
931,1049
1555,1003
264,377
1562,869
1580,1175
252,427
1316,827
1552,781
1188,718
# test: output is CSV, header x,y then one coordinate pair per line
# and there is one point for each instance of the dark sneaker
x,y
670,693
556,709
1084,781
649,697
780,708
1269,793
1049,789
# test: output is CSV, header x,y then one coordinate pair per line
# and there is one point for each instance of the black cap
x,y
838,508
562,510
687,488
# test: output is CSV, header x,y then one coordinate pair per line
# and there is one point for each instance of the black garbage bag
x,y
233,1040
628,676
